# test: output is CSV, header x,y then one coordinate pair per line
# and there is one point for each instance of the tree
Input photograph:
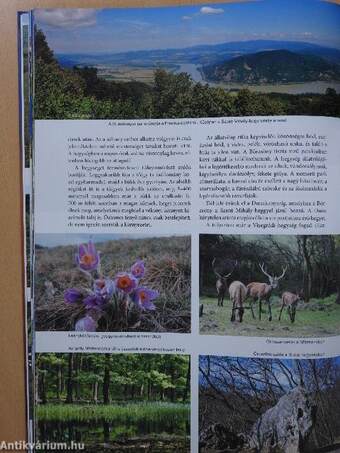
x,y
308,267
106,382
69,397
101,378
336,259
171,94
320,265
327,104
41,48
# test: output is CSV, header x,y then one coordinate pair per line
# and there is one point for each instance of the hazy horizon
x,y
104,53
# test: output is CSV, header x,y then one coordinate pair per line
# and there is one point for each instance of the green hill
x,y
276,66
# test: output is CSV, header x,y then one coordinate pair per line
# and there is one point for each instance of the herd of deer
x,y
256,291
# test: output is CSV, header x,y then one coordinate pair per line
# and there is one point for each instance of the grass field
x,y
315,319
146,411
127,74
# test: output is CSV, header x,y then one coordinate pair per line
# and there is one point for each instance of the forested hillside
x,y
276,66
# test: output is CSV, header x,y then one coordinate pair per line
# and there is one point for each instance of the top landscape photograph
x,y
263,57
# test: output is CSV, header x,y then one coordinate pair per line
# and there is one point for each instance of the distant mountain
x,y
202,55
275,66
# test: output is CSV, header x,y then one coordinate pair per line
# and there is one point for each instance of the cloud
x,y
66,18
205,10
209,10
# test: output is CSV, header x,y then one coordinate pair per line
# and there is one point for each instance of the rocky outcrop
x,y
286,426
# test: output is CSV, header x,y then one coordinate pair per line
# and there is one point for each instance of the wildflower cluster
x,y
120,292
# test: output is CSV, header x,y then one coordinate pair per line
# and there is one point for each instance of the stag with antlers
x,y
221,283
262,291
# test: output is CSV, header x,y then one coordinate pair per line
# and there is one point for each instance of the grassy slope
x,y
323,320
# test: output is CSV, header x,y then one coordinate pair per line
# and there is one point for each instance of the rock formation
x,y
286,426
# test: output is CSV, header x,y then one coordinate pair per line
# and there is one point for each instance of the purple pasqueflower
x,y
94,301
103,287
86,324
72,296
138,269
88,257
143,298
125,282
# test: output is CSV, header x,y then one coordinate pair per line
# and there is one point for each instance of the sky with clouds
x,y
125,29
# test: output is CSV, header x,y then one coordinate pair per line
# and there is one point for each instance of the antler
x,y
215,272
263,270
284,270
228,275
220,275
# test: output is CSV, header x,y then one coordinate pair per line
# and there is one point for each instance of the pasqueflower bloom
x,y
86,324
72,295
143,298
87,257
94,301
138,269
126,282
104,287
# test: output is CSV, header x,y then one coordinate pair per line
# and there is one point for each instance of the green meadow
x,y
320,317
147,411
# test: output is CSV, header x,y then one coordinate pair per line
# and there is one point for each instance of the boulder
x,y
286,426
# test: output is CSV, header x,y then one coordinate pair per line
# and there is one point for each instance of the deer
x,y
237,293
262,291
221,284
290,301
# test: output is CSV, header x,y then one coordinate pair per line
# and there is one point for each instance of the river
x,y
192,70
317,87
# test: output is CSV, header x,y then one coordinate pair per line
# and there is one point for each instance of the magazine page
x,y
186,231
